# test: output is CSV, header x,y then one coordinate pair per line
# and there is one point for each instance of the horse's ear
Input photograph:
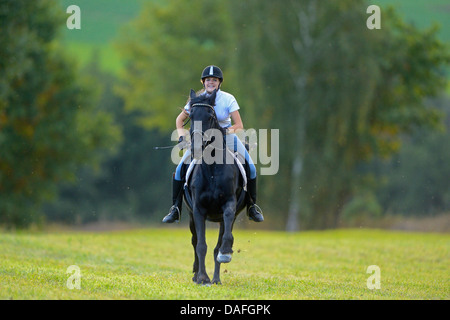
x,y
192,94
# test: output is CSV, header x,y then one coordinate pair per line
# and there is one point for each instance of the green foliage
x,y
416,179
48,126
340,93
165,53
131,184
362,207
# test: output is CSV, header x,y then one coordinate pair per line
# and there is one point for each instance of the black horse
x,y
214,189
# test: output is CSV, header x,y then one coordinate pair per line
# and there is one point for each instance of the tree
x,y
340,93
165,49
343,94
415,181
165,52
48,126
130,185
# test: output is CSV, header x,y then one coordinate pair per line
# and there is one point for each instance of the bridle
x,y
214,124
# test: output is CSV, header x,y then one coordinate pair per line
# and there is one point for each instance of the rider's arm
x,y
237,122
180,121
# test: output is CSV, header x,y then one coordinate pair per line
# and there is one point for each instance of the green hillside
x,y
423,13
102,20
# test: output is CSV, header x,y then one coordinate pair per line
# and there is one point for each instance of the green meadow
x,y
157,264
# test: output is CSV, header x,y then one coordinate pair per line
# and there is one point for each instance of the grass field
x,y
157,264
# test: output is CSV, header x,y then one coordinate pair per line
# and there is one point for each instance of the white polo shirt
x,y
225,104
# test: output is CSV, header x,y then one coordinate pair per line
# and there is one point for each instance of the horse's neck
x,y
214,168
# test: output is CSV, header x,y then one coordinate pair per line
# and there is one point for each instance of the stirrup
x,y
171,213
258,208
258,211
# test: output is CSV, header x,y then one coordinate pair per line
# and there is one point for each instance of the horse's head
x,y
203,119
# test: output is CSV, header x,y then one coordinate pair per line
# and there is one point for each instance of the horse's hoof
x,y
205,283
224,258
202,280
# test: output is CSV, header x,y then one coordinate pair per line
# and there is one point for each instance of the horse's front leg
x,y
201,248
216,278
226,251
194,244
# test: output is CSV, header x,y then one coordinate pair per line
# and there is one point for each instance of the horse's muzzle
x,y
197,144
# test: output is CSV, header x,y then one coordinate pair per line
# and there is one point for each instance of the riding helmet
x,y
212,71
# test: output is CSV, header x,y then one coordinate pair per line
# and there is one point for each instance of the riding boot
x,y
177,200
253,210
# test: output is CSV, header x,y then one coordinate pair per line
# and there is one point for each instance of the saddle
x,y
240,161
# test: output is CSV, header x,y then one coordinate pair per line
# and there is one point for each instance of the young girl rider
x,y
227,111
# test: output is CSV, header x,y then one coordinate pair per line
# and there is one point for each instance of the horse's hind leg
x,y
194,244
216,277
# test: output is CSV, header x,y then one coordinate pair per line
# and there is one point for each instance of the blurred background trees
x,y
363,114
49,124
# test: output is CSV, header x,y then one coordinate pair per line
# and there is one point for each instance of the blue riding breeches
x,y
233,143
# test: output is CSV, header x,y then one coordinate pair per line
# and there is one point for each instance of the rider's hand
x,y
182,143
224,131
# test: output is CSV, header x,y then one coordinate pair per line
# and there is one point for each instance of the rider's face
x,y
211,84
